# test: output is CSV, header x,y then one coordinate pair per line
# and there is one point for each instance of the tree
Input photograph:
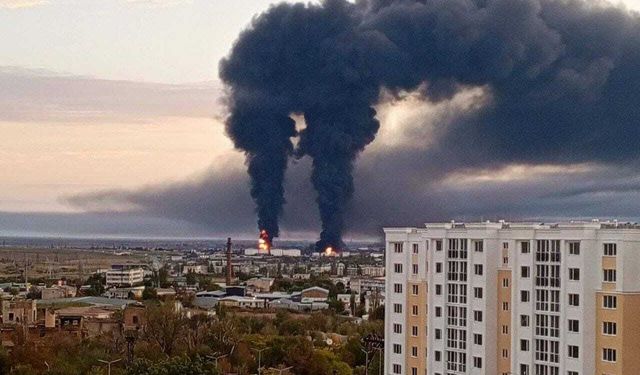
x,y
192,278
163,277
377,314
149,292
172,366
163,325
336,305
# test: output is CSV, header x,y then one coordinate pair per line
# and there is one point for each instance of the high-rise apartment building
x,y
513,299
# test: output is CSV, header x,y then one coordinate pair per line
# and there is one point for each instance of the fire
x,y
264,242
329,252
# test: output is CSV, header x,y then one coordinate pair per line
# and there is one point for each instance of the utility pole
x,y
109,363
366,361
260,358
216,358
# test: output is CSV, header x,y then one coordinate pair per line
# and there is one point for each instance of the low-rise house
x,y
243,302
124,293
301,276
195,268
19,312
288,304
259,284
372,271
59,291
346,300
314,294
134,317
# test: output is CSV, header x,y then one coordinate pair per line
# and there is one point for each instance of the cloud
x,y
36,95
159,3
18,4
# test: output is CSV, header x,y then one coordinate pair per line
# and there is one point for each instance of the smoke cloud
x,y
563,78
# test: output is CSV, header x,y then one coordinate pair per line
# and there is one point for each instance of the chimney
x,y
229,266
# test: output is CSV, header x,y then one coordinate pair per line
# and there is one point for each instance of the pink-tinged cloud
x,y
17,4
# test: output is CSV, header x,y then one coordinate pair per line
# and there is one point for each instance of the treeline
x,y
170,343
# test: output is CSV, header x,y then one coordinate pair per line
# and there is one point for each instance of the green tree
x,y
172,366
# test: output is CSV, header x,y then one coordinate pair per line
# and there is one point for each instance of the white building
x,y
124,276
509,298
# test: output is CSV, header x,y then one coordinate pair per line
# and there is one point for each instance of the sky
x,y
112,122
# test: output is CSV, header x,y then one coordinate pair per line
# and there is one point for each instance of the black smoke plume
x,y
563,77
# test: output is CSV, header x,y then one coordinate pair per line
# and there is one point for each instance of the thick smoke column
x,y
562,77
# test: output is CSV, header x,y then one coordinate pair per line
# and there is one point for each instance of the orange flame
x,y
264,243
329,252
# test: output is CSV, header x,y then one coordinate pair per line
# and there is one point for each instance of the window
x,y
524,345
505,283
505,306
414,371
525,296
610,302
397,288
505,353
438,289
610,250
574,274
574,248
574,299
439,267
397,348
397,369
397,268
438,334
438,355
397,328
524,248
415,248
414,351
505,245
414,268
477,362
414,331
414,290
477,315
478,246
477,339
439,245
524,320
573,351
525,272
414,309
477,292
505,329
609,328
397,247
574,325
397,308
438,311
609,355
572,373
524,369
477,268
609,275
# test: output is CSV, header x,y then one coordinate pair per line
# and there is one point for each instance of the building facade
x,y
124,276
513,299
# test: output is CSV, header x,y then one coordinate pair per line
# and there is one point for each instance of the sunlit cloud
x,y
17,4
159,3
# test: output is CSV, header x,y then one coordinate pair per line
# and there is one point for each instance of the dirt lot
x,y
56,263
